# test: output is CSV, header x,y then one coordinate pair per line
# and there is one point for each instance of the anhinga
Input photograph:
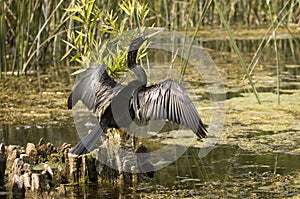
x,y
119,105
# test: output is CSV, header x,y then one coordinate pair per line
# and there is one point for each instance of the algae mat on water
x,y
22,104
269,127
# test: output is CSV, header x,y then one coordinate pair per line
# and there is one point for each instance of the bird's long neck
x,y
140,74
131,58
133,66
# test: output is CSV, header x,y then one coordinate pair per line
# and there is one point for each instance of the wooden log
x,y
13,152
121,163
27,183
18,176
18,190
19,167
40,187
88,169
36,184
45,150
32,152
120,160
26,179
62,191
2,164
74,163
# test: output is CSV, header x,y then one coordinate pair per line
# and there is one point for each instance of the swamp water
x,y
228,171
257,154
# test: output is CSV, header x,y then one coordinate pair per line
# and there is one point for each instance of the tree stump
x,y
119,161
2,165
26,181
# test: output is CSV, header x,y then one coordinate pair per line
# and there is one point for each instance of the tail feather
x,y
87,144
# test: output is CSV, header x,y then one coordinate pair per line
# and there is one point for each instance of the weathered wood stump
x,y
23,179
120,158
116,161
2,165
44,170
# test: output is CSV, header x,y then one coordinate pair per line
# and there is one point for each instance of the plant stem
x,y
236,50
2,38
277,68
183,67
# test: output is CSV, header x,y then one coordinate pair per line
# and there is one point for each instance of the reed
x,y
27,22
280,18
276,55
3,64
237,51
277,68
185,62
39,33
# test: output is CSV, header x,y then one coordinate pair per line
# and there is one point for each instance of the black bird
x,y
118,105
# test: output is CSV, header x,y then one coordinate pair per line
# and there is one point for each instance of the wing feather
x,y
167,101
95,89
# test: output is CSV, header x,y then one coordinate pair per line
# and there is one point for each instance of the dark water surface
x,y
224,168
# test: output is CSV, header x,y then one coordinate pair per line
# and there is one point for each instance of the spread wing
x,y
167,101
95,89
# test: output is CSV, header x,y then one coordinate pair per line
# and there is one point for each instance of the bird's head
x,y
135,44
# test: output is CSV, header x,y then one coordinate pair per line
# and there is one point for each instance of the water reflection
x,y
21,135
223,165
222,162
223,50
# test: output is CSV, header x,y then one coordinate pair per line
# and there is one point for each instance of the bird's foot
x,y
120,132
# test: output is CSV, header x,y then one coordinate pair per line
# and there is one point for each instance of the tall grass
x,y
237,51
279,19
3,64
38,34
30,28
185,62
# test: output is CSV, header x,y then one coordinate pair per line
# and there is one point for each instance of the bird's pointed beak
x,y
155,33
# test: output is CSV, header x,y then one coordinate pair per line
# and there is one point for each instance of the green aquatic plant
x,y
34,31
237,51
94,32
2,38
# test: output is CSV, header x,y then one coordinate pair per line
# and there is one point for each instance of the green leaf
x,y
75,57
70,44
75,9
142,55
66,54
78,71
125,9
76,18
89,10
122,25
